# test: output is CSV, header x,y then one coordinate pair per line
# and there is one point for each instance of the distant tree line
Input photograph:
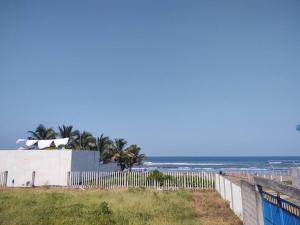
x,y
110,150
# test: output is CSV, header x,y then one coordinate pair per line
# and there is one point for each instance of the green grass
x,y
133,207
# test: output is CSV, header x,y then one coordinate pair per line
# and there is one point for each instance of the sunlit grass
x,y
133,207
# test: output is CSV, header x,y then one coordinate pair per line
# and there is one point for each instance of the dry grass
x,y
212,210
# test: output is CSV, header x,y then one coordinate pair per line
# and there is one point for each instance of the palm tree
x,y
42,133
118,152
87,141
104,145
68,132
133,156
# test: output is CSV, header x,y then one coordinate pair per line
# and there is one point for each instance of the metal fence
x,y
124,180
3,178
278,211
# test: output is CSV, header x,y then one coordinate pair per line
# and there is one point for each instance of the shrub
x,y
159,177
104,209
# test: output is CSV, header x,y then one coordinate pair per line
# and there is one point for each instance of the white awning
x,y
20,140
44,143
31,142
61,141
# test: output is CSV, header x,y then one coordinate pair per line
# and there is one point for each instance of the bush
x,y
104,209
159,177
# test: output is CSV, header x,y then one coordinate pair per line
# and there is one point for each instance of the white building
x,y
48,167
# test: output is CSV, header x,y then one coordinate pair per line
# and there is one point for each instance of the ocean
x,y
262,164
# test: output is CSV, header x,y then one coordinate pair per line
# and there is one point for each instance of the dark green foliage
x,y
126,157
134,157
87,141
158,177
105,145
73,135
119,153
42,133
104,209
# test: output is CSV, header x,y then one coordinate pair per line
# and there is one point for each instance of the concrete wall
x,y
252,204
51,166
80,159
295,174
237,204
3,178
230,192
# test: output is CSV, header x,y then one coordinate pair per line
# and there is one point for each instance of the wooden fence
x,y
3,179
124,180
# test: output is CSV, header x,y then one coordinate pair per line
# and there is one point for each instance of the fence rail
x,y
279,176
3,179
124,180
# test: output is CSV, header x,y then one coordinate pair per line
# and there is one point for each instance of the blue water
x,y
256,164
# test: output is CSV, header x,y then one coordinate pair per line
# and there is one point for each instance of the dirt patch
x,y
212,210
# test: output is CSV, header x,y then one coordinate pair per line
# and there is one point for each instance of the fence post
x,y
5,178
68,178
33,179
232,199
219,183
279,205
224,188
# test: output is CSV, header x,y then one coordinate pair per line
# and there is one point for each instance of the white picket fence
x,y
124,180
3,179
230,192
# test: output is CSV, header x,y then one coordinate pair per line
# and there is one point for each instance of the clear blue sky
x,y
176,77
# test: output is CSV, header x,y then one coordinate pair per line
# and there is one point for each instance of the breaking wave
x,y
181,164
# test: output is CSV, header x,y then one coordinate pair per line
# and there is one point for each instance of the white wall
x,y
295,174
237,200
51,166
230,192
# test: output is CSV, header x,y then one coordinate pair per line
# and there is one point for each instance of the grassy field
x,y
133,207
